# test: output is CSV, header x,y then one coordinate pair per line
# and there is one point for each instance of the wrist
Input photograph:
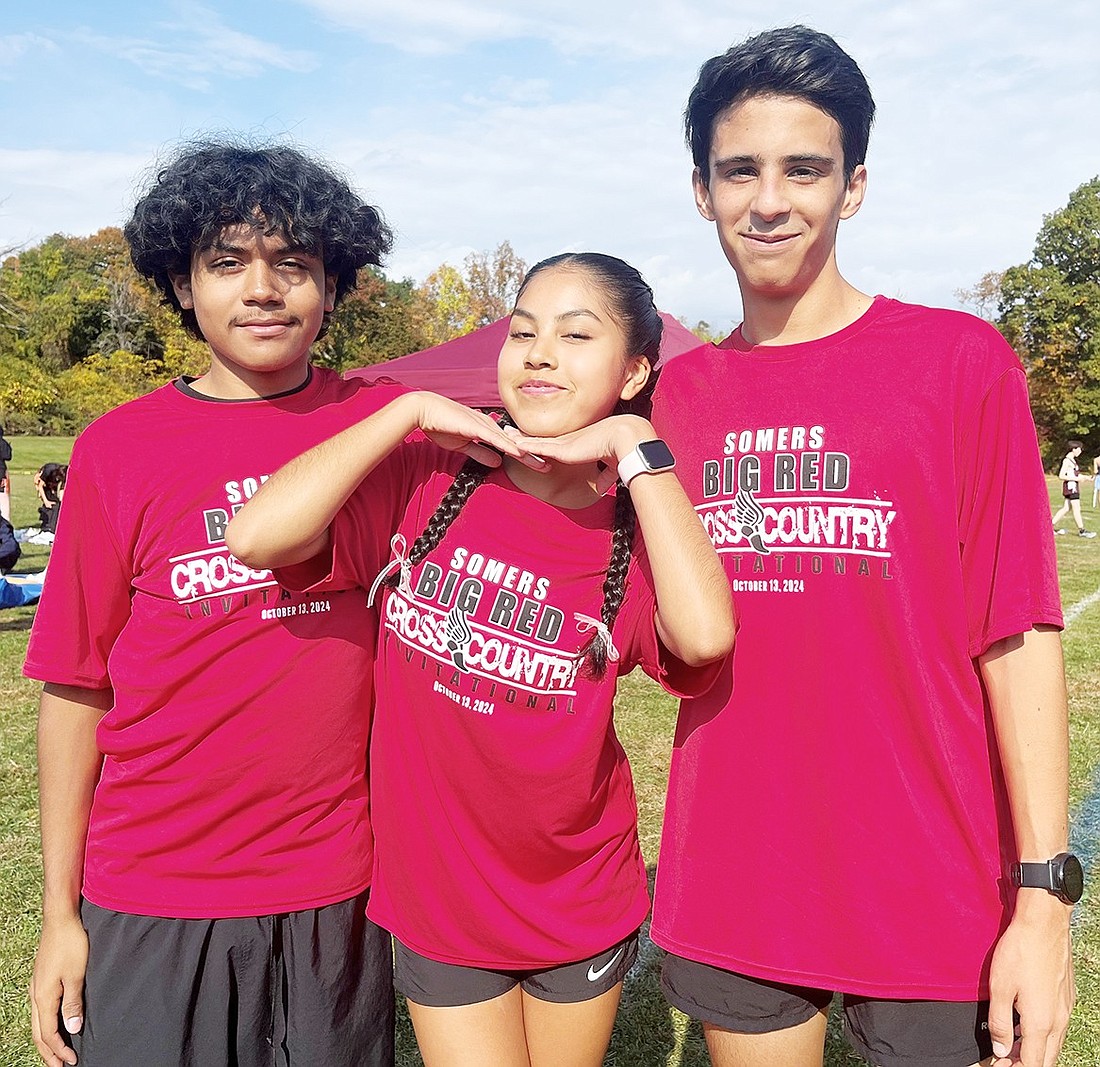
x,y
630,431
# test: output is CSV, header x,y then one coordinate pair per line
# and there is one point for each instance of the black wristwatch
x,y
1062,876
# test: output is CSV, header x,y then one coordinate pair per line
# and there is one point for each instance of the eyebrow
x,y
807,157
220,245
520,313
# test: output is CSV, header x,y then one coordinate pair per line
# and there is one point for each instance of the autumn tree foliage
x,y
81,331
1049,309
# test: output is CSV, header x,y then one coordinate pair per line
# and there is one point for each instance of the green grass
x,y
648,1033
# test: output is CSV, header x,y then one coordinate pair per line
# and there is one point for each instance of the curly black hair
x,y
211,184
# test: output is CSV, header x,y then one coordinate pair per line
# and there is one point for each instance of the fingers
x,y
1000,1025
47,1038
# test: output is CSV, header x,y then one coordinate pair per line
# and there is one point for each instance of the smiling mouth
x,y
769,238
538,387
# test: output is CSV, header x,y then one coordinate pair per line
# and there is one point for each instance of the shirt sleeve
x,y
87,593
636,635
1009,568
361,534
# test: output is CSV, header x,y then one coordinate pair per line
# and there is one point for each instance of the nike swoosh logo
x,y
594,975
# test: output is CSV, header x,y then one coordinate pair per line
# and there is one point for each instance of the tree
x,y
1050,313
377,321
493,279
984,298
453,302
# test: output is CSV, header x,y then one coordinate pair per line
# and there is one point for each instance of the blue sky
x,y
555,124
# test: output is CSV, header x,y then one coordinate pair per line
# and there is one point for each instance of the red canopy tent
x,y
465,369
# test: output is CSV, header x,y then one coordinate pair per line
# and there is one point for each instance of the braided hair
x,y
630,302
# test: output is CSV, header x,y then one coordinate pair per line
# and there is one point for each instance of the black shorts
x,y
296,989
448,985
890,1033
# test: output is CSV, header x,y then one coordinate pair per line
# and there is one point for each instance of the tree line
x,y
1049,310
81,331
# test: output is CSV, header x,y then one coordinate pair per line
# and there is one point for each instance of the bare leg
x,y
489,1034
797,1046
570,1035
1063,511
1075,507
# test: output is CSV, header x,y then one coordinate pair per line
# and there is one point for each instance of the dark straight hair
x,y
790,61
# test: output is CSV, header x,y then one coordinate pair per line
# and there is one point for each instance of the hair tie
x,y
399,548
603,634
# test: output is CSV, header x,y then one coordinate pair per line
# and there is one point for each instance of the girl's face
x,y
565,363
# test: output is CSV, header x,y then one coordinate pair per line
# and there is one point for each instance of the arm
x,y
694,606
1032,966
69,765
288,520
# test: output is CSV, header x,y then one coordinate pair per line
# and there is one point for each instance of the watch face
x,y
1073,878
656,455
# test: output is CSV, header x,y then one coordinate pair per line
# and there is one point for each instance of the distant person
x,y
507,865
5,481
49,481
202,733
16,592
883,813
9,547
1070,475
1095,480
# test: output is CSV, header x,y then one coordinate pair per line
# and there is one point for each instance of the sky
x,y
555,124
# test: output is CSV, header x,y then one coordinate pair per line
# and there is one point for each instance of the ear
x,y
181,286
702,195
330,292
638,371
853,195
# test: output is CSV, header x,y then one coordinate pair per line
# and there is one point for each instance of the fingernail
x,y
73,1023
999,1049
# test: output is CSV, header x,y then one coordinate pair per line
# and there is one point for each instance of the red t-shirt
x,y
234,775
836,814
503,804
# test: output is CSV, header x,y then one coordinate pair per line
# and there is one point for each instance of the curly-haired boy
x,y
203,733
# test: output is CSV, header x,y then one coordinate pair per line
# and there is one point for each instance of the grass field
x,y
648,1033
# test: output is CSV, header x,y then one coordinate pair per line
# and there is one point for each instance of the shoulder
x,y
949,330
115,426
360,394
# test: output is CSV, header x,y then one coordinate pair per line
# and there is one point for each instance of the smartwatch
x,y
646,457
1061,876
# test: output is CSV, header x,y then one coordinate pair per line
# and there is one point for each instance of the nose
x,y
770,200
540,354
262,285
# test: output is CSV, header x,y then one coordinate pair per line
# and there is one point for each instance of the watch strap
x,y
1035,875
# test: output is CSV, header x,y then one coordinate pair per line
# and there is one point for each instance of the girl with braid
x,y
514,589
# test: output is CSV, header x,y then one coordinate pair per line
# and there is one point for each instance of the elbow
x,y
243,546
708,645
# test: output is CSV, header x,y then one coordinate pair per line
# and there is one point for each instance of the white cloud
x,y
13,47
202,51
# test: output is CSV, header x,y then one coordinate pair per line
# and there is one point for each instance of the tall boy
x,y
846,812
203,733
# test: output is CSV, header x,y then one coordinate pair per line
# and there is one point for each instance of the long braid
x,y
594,653
470,475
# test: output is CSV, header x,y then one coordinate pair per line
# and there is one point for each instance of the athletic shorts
x,y
1071,492
916,1033
448,985
291,990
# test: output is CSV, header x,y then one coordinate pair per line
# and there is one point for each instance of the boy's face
x,y
260,304
777,193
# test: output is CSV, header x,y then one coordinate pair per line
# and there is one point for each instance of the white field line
x,y
1081,607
